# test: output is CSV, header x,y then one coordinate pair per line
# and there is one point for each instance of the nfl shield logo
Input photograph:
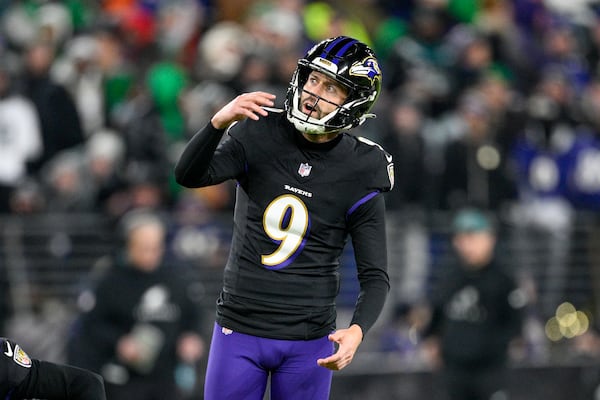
x,y
304,169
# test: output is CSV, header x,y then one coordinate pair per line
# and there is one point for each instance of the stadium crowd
x,y
488,103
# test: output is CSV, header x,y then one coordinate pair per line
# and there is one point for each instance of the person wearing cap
x,y
476,312
140,322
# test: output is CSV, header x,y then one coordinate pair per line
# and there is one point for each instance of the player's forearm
x,y
370,303
367,228
192,167
84,385
60,382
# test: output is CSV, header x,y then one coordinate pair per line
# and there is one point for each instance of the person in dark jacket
x,y
139,323
476,166
476,312
59,119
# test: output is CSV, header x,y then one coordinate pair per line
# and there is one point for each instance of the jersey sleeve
x,y
209,160
367,230
381,165
16,364
60,382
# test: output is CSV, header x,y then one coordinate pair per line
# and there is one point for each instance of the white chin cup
x,y
307,124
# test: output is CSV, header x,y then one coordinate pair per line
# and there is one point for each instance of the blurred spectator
x,y
198,235
139,320
403,139
591,42
561,53
20,136
59,120
28,198
82,180
66,187
166,82
495,20
179,29
584,184
26,22
322,20
221,51
544,216
202,101
473,58
582,171
79,71
476,312
136,23
255,74
276,26
400,336
117,69
590,106
507,110
146,166
104,155
476,170
421,58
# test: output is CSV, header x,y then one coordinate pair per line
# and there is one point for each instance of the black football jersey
x,y
15,365
296,203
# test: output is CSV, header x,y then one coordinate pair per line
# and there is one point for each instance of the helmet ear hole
x,y
351,63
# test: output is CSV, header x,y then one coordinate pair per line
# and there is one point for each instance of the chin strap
x,y
365,117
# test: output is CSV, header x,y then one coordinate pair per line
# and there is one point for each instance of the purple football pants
x,y
239,366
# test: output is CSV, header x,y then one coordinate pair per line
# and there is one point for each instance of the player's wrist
x,y
357,328
218,125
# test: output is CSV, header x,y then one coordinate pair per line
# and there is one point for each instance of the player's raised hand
x,y
348,341
247,105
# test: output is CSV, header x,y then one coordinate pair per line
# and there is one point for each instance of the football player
x,y
304,185
22,377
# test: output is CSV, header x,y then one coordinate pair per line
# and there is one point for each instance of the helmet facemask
x,y
361,93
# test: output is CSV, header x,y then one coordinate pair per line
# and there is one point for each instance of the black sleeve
x,y
15,365
367,229
60,382
207,161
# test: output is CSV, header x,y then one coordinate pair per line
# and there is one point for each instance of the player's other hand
x,y
348,341
247,105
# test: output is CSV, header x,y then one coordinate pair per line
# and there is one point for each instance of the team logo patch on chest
x,y
304,169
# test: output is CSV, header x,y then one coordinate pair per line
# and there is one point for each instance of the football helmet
x,y
352,64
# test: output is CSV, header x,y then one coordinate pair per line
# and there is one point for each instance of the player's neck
x,y
327,137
